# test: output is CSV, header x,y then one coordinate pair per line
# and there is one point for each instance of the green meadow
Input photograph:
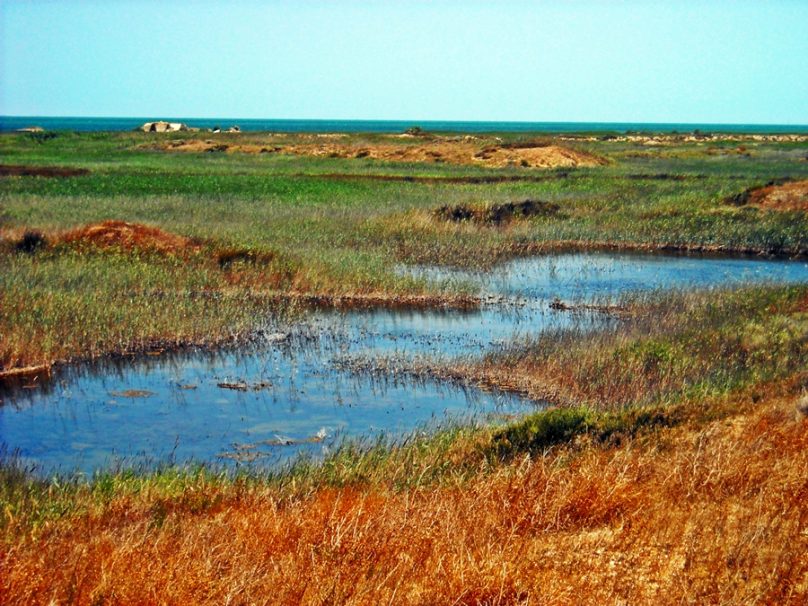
x,y
319,225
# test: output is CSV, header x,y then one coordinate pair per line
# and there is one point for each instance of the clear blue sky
x,y
639,61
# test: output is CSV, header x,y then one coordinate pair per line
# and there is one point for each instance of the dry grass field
x,y
705,512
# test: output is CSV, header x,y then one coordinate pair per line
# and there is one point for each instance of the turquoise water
x,y
302,392
12,123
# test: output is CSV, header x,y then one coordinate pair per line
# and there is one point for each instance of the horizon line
x,y
409,120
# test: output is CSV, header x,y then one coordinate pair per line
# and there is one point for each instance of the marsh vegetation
x,y
297,225
666,465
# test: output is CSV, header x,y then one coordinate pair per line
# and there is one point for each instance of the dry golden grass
x,y
708,512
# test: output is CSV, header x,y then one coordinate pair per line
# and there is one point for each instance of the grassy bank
x,y
686,346
675,477
331,226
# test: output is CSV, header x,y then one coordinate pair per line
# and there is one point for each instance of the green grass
x,y
332,235
686,360
687,346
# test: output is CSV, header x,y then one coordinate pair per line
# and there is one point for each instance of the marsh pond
x,y
304,386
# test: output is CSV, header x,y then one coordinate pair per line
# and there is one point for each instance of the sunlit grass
x,y
665,499
672,472
687,345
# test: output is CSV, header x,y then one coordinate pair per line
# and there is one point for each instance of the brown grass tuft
x,y
775,195
130,236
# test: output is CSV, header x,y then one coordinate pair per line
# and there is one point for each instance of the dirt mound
x,y
130,236
537,154
781,194
545,156
15,170
497,214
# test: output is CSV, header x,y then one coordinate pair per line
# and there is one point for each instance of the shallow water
x,y
301,394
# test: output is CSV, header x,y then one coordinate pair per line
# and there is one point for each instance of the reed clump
x,y
337,226
697,343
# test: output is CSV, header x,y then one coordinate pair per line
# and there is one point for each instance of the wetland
x,y
420,351
303,385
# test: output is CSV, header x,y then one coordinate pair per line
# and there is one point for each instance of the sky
x,y
584,61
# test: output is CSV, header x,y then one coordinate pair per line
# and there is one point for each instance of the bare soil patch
x,y
130,236
470,179
19,170
775,195
432,150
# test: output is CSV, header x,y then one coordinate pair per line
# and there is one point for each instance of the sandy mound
x,y
545,156
789,195
130,236
436,150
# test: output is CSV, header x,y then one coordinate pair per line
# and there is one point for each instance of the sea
x,y
87,124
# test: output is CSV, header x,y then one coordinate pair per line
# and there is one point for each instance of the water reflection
x,y
295,390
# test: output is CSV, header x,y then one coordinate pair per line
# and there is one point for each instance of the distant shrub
x,y
497,214
416,131
542,430
30,242
42,137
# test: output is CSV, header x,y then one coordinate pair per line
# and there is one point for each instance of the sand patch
x,y
538,156
462,151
